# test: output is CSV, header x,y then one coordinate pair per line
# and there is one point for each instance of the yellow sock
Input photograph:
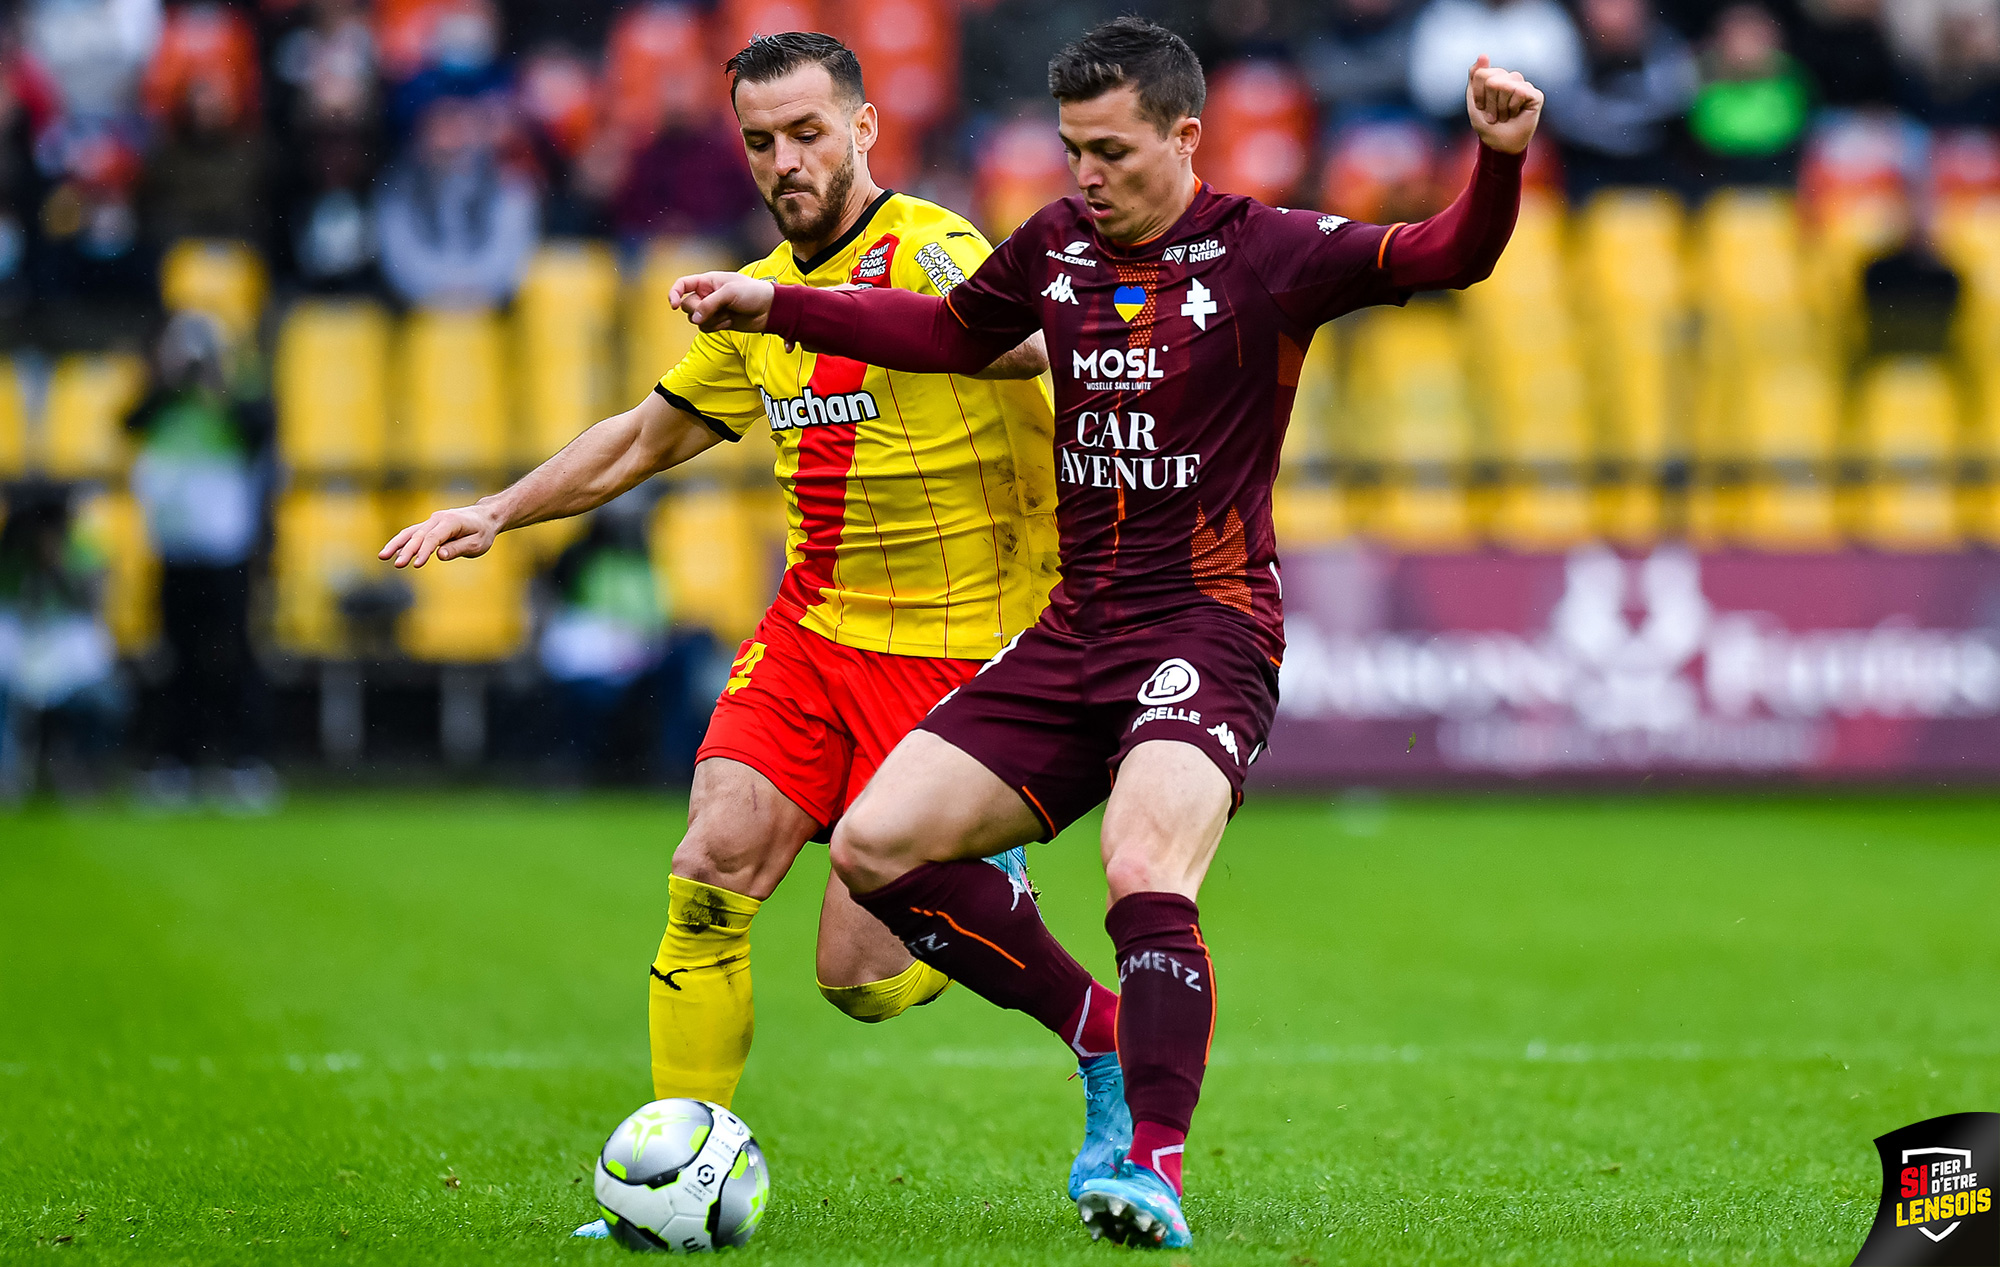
x,y
699,1008
874,1001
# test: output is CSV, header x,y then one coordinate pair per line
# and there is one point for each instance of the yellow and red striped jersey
x,y
922,506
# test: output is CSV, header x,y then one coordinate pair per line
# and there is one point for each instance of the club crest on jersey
x,y
1128,300
1328,224
1174,681
1199,307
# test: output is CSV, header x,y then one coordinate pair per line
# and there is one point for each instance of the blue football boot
x,y
595,1230
1107,1123
1014,865
1135,1208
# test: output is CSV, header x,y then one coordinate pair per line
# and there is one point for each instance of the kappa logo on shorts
x,y
1174,681
1227,738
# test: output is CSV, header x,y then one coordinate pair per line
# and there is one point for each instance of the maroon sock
x,y
1158,1148
967,920
1166,1017
1092,1028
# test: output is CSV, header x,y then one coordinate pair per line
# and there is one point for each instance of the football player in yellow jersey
x,y
921,540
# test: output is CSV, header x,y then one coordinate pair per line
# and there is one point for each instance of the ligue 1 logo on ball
x,y
1937,1195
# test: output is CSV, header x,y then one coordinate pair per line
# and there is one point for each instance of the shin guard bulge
x,y
1166,1020
874,1001
699,1009
970,922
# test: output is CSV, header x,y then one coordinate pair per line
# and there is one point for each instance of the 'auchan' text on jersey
x,y
810,409
1117,369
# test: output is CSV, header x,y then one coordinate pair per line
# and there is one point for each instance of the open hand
x,y
1505,108
463,533
724,301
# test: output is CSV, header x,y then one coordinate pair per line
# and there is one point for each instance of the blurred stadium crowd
x,y
280,276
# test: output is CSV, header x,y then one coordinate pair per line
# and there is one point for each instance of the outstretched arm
x,y
1461,244
895,329
590,470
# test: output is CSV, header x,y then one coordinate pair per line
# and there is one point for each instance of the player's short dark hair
x,y
768,57
1131,50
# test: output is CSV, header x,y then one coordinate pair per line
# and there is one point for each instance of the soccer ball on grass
x,y
682,1176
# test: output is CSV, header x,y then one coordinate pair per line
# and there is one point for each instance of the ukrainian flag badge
x,y
1128,300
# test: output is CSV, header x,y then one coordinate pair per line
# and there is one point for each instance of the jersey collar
x,y
1147,245
808,267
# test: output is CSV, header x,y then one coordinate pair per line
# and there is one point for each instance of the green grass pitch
x,y
1453,1030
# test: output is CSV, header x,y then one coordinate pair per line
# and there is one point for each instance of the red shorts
x,y
817,718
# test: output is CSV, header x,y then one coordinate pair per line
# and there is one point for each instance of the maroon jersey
x,y
1176,362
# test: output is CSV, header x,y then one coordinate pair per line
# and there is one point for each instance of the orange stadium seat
x,y
1382,173
716,548
909,61
403,29
13,423
452,394
1965,169
222,278
132,582
211,44
464,611
658,66
1021,170
325,544
735,21
1261,114
332,387
83,428
560,92
563,319
1907,414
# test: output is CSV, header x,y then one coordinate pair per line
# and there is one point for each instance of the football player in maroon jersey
x,y
1177,320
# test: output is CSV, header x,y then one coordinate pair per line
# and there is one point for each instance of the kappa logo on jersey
x,y
810,409
1174,681
1199,306
1328,224
1194,253
1062,290
1128,301
872,269
943,271
1073,254
1227,738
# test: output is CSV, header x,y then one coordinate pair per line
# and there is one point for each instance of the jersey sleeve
x,y
713,384
1316,266
944,257
998,301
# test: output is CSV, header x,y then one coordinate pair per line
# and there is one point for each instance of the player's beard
x,y
800,225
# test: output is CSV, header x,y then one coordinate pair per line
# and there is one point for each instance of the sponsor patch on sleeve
x,y
939,267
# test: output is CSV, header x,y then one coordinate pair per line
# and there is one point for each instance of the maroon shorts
x,y
1054,714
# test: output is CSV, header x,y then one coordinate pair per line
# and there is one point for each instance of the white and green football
x,y
682,1176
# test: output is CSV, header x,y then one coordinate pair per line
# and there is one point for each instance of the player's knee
x,y
863,852
872,1002
728,860
1131,867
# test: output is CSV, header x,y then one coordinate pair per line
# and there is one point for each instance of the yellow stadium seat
x,y
1750,262
1907,413
83,428
1790,515
1632,291
1407,401
1716,513
1852,231
1309,514
325,545
563,319
332,388
132,581
1312,435
1790,413
657,335
223,278
1979,511
1424,516
1969,237
1543,515
1538,408
452,411
465,611
1910,514
13,423
715,547
544,541
1532,389
1627,511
